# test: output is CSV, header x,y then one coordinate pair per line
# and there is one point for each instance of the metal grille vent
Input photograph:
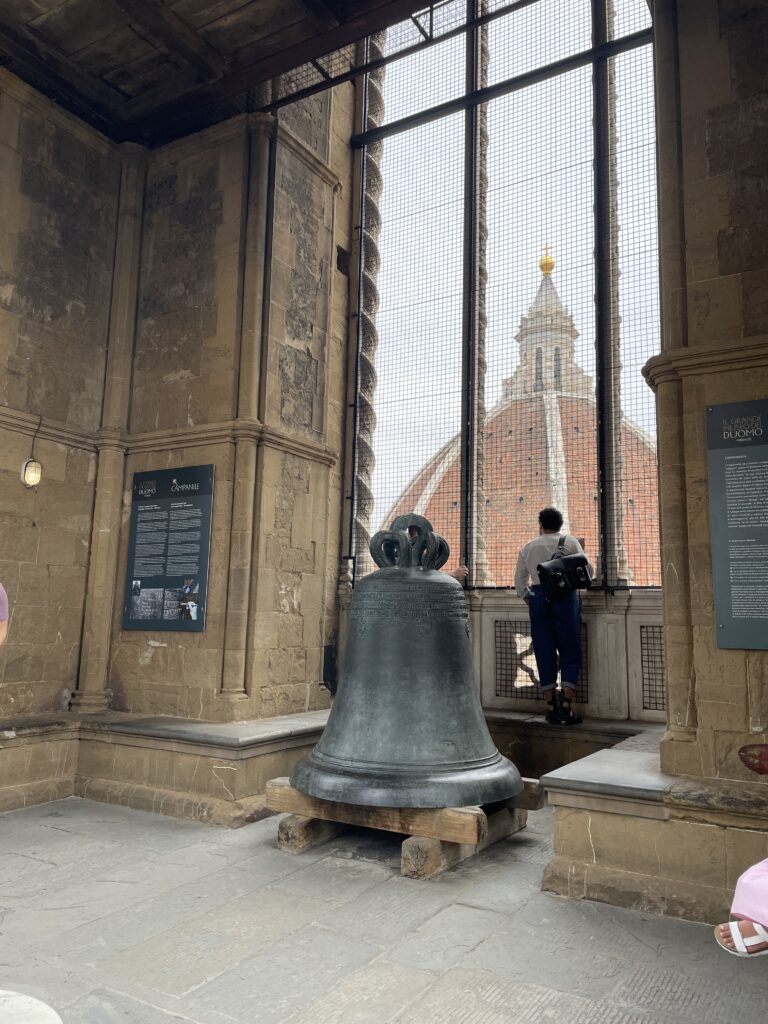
x,y
516,676
653,668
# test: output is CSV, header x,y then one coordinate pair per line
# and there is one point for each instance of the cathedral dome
x,y
540,448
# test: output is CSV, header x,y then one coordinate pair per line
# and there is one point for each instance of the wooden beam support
x,y
465,825
169,29
425,858
57,76
297,834
324,13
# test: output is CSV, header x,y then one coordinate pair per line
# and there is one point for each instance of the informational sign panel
x,y
737,442
167,580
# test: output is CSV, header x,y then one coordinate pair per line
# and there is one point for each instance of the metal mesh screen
x,y
539,34
627,16
430,23
413,85
482,300
635,330
515,665
539,341
417,351
653,668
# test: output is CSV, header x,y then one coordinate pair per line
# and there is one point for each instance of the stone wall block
x,y
745,24
756,668
743,248
755,300
725,754
707,211
32,585
705,70
743,848
714,310
56,547
721,715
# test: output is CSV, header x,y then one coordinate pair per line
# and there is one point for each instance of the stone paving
x,y
111,915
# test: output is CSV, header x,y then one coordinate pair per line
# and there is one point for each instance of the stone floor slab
x,y
107,1007
183,958
202,925
274,984
340,880
446,939
376,994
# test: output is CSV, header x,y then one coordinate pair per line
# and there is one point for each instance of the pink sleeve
x,y
3,604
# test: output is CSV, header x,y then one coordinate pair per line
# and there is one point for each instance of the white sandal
x,y
741,942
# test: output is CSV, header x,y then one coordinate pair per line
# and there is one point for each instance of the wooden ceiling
x,y
151,70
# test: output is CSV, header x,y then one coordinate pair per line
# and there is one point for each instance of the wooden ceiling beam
x,y
324,13
169,29
256,65
54,74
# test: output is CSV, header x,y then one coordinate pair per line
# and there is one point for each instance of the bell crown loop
x,y
409,543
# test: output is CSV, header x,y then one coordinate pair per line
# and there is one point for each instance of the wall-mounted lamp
x,y
31,470
31,473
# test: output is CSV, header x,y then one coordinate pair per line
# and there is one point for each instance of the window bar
x,y
467,455
602,266
514,84
613,561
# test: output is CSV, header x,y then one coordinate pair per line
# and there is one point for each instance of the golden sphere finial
x,y
547,262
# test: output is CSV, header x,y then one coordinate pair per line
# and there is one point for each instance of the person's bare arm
x,y
3,631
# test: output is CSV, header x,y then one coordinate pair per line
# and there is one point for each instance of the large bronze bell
x,y
406,728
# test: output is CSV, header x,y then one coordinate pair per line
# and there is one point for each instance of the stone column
x,y
258,186
92,695
678,749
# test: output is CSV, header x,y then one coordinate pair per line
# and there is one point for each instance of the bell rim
x,y
433,789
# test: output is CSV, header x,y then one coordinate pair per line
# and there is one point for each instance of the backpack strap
x,y
561,544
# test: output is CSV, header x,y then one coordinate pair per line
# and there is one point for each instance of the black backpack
x,y
563,574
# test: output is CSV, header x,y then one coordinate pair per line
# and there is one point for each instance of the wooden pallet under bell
x,y
438,838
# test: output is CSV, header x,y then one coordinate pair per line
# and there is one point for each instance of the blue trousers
x,y
556,630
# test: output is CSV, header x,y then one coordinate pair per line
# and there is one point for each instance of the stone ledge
x,y
744,804
13,798
538,748
617,773
622,773
207,771
207,809
236,736
597,729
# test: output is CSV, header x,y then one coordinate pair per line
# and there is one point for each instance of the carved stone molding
x,y
226,432
676,363
49,430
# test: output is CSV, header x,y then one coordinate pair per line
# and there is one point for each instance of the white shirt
x,y
539,550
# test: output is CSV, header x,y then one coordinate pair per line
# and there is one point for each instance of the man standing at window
x,y
556,625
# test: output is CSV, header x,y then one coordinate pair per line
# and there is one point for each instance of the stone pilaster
x,y
255,243
92,695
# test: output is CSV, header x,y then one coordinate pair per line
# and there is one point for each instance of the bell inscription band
x,y
406,728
